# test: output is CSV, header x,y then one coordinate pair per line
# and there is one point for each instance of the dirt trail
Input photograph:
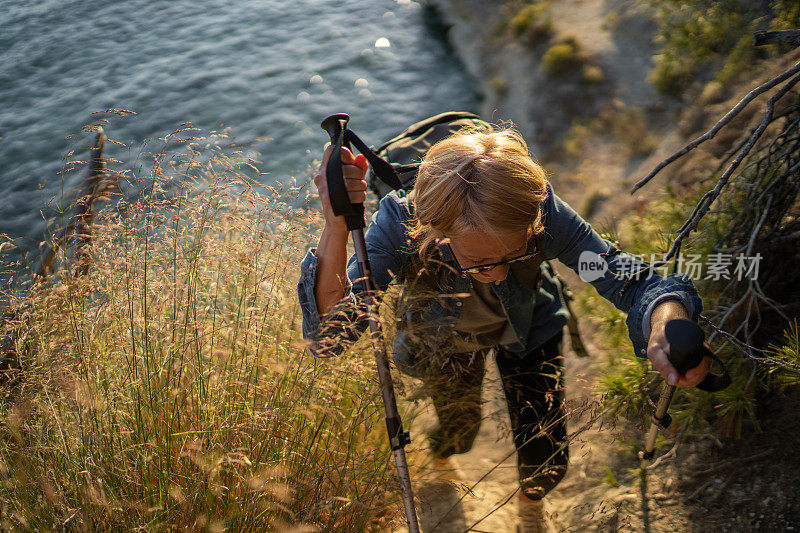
x,y
485,500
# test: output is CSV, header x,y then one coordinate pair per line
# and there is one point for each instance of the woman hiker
x,y
469,240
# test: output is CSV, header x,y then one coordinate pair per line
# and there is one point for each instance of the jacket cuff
x,y
343,318
676,287
681,297
305,294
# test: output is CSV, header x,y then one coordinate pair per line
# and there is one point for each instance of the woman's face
x,y
472,249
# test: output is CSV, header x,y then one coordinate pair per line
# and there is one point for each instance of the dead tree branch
x,y
705,203
760,177
790,37
719,125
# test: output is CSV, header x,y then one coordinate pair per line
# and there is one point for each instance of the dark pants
x,y
534,392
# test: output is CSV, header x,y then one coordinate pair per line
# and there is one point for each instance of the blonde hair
x,y
480,179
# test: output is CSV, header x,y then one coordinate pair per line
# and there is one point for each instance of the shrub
x,y
592,74
786,15
631,129
628,387
532,22
702,37
740,58
713,92
499,85
563,57
671,74
574,139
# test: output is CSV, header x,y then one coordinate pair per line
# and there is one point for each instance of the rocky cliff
x,y
506,51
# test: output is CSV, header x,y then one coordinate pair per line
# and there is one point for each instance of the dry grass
x,y
168,389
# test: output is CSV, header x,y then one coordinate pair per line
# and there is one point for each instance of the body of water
x,y
265,69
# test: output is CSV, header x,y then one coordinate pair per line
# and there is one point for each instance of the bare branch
x,y
791,37
719,125
692,222
758,227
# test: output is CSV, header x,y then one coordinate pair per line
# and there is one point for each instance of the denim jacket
x,y
536,312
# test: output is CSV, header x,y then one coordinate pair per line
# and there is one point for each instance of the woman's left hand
x,y
658,347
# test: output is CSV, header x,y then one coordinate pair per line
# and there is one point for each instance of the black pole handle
x,y
336,126
687,350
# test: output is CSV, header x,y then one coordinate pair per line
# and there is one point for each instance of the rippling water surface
x,y
265,69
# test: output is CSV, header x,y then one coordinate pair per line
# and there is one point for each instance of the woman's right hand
x,y
354,170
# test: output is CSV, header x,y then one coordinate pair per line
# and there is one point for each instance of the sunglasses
x,y
488,266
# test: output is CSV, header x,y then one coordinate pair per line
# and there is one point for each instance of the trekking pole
x,y
336,126
686,351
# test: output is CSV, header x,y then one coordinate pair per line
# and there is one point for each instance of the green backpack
x,y
405,151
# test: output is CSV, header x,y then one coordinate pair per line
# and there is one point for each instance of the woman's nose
x,y
497,273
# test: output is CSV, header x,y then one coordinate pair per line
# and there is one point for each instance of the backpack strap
x,y
418,128
576,341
